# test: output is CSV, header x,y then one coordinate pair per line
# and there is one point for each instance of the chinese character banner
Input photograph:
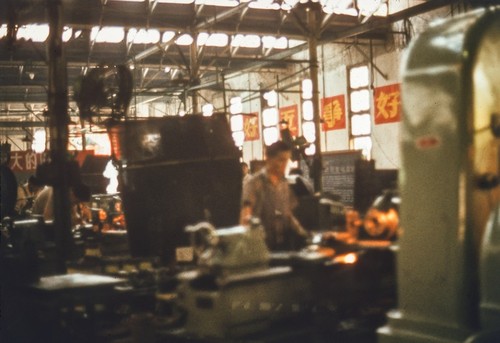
x,y
387,104
27,161
290,115
333,113
251,126
24,161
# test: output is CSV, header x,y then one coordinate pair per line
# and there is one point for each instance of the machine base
x,y
417,330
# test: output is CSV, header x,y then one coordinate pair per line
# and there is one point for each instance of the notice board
x,y
339,174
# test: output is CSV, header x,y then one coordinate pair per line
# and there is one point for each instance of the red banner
x,y
290,115
333,113
387,104
251,126
24,161
27,161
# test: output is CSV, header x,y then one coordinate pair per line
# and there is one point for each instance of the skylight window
x,y
222,3
176,1
108,34
246,41
264,5
37,33
143,36
167,36
292,43
214,39
268,42
281,43
184,39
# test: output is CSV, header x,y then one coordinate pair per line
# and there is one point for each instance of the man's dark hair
x,y
276,148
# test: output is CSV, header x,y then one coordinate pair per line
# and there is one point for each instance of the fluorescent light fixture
x,y
107,34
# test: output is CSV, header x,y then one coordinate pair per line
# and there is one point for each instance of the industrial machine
x,y
234,291
447,263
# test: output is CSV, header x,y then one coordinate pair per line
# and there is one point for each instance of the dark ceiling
x,y
23,64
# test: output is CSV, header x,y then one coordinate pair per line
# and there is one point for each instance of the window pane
x,y
309,131
364,144
239,138
271,135
307,110
360,124
360,100
359,77
270,117
237,122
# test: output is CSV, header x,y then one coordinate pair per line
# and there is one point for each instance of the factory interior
x,y
250,171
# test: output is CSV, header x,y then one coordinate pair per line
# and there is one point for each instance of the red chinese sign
x,y
387,104
333,113
251,126
24,161
27,161
290,115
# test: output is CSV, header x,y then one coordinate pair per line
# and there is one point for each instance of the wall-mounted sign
x,y
251,126
333,113
387,104
290,115
27,161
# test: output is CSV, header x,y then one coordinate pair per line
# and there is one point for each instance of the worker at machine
x,y
267,195
26,194
44,202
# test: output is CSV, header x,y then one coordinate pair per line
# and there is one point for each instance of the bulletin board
x,y
339,174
